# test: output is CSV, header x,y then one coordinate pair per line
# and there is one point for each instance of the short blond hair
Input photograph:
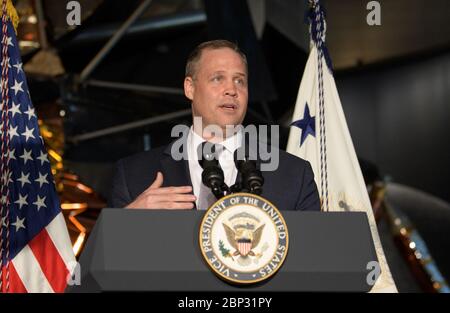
x,y
194,57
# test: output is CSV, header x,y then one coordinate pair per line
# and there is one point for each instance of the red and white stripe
x,y
43,265
244,248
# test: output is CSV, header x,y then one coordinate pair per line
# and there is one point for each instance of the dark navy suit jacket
x,y
290,187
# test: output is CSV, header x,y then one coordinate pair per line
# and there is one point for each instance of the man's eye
x,y
217,78
240,81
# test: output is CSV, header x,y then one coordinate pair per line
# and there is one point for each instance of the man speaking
x,y
216,82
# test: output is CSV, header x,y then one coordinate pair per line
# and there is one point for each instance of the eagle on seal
x,y
243,237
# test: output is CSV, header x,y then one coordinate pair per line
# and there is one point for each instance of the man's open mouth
x,y
228,106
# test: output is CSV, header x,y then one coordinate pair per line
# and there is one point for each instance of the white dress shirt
x,y
226,160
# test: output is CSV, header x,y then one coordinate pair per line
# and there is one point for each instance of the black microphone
x,y
252,179
212,175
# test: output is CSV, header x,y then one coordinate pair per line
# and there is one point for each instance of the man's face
x,y
218,90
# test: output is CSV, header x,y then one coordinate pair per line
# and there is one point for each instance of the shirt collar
x,y
231,143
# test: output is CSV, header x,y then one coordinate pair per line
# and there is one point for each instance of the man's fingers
x,y
173,198
158,181
169,190
155,187
177,205
171,205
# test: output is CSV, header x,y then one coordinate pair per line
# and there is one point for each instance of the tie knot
x,y
209,151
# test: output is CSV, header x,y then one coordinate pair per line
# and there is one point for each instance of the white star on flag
x,y
43,158
22,201
40,202
30,113
11,154
13,132
18,66
42,179
15,109
9,41
17,87
26,156
24,179
28,133
18,223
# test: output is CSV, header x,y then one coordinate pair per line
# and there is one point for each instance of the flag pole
x,y
4,213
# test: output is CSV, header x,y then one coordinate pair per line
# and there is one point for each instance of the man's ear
x,y
189,88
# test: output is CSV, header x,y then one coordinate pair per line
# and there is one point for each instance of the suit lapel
x,y
176,173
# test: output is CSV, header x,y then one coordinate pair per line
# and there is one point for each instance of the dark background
x,y
393,79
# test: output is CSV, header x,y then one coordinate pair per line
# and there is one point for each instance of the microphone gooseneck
x,y
252,179
212,175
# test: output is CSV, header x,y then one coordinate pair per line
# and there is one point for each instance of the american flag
x,y
36,253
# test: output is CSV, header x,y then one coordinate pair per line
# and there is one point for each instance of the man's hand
x,y
157,197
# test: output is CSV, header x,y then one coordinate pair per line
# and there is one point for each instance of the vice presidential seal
x,y
243,238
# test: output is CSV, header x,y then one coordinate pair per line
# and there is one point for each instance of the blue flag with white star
x,y
35,247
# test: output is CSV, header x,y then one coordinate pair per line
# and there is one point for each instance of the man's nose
x,y
230,89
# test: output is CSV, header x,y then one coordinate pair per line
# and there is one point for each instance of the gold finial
x,y
12,13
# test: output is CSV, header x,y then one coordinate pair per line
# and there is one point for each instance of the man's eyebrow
x,y
217,72
222,72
